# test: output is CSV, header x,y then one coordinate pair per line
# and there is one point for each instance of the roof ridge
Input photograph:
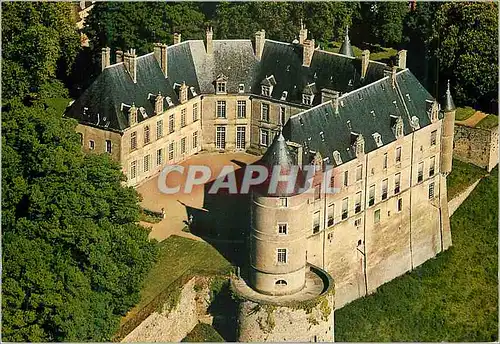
x,y
313,108
272,40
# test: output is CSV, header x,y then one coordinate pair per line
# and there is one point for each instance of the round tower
x,y
279,218
447,132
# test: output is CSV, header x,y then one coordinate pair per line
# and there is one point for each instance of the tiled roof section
x,y
365,111
233,58
181,65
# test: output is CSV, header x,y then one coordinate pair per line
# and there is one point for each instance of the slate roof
x,y
346,48
448,104
365,111
188,62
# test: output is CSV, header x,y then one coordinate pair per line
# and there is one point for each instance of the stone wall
x,y
270,323
172,325
476,146
461,197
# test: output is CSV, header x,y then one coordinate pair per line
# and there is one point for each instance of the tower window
x,y
282,228
108,146
400,204
283,202
91,144
431,190
282,255
376,216
433,137
281,283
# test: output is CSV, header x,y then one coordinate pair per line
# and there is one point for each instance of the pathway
x,y
473,120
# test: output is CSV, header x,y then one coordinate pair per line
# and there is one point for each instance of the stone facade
x,y
476,146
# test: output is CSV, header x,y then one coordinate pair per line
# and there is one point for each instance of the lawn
x,y
462,113
451,298
178,256
379,54
489,122
462,176
203,333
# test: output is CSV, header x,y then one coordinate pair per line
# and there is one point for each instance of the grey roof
x,y
368,110
346,48
448,104
188,62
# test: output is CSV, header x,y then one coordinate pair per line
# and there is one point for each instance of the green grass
x,y
381,53
149,218
451,298
203,333
488,122
462,176
462,113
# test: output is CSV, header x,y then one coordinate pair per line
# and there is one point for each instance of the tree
x,y
39,42
73,253
465,37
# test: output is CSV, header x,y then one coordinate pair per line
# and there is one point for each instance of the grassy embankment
x,y
203,333
453,297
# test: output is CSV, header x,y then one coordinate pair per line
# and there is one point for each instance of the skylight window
x,y
408,96
322,136
336,157
378,139
284,95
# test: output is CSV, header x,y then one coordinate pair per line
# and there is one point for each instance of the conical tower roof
x,y
278,155
346,48
448,104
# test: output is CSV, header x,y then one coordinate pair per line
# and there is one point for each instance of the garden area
x,y
453,297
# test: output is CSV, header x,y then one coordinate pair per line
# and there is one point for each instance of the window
x,y
266,91
376,216
240,137
282,228
171,124
346,178
221,87
147,137
420,175
397,183
282,256
317,192
183,145
283,202
171,151
264,112
159,129
384,189
359,172
108,146
195,139
332,182
398,154
195,112
242,109
264,137
331,214
133,169
133,141
336,157
378,139
316,222
433,137
147,163
432,166
159,157
91,144
357,222
183,118
221,109
385,160
357,204
241,88
371,195
307,99
282,115
220,138
431,190
345,208
281,283
81,138
400,204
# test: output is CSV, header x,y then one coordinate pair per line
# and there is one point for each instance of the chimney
x,y
183,93
327,95
260,39
308,52
177,38
365,60
160,53
119,56
402,59
210,43
393,76
105,57
130,61
302,33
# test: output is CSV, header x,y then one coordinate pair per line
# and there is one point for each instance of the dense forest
x,y
74,255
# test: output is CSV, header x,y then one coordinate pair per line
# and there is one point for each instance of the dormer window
x,y
159,104
284,95
193,92
307,99
434,111
378,139
360,145
336,158
266,91
398,127
241,88
143,112
132,115
221,84
169,101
